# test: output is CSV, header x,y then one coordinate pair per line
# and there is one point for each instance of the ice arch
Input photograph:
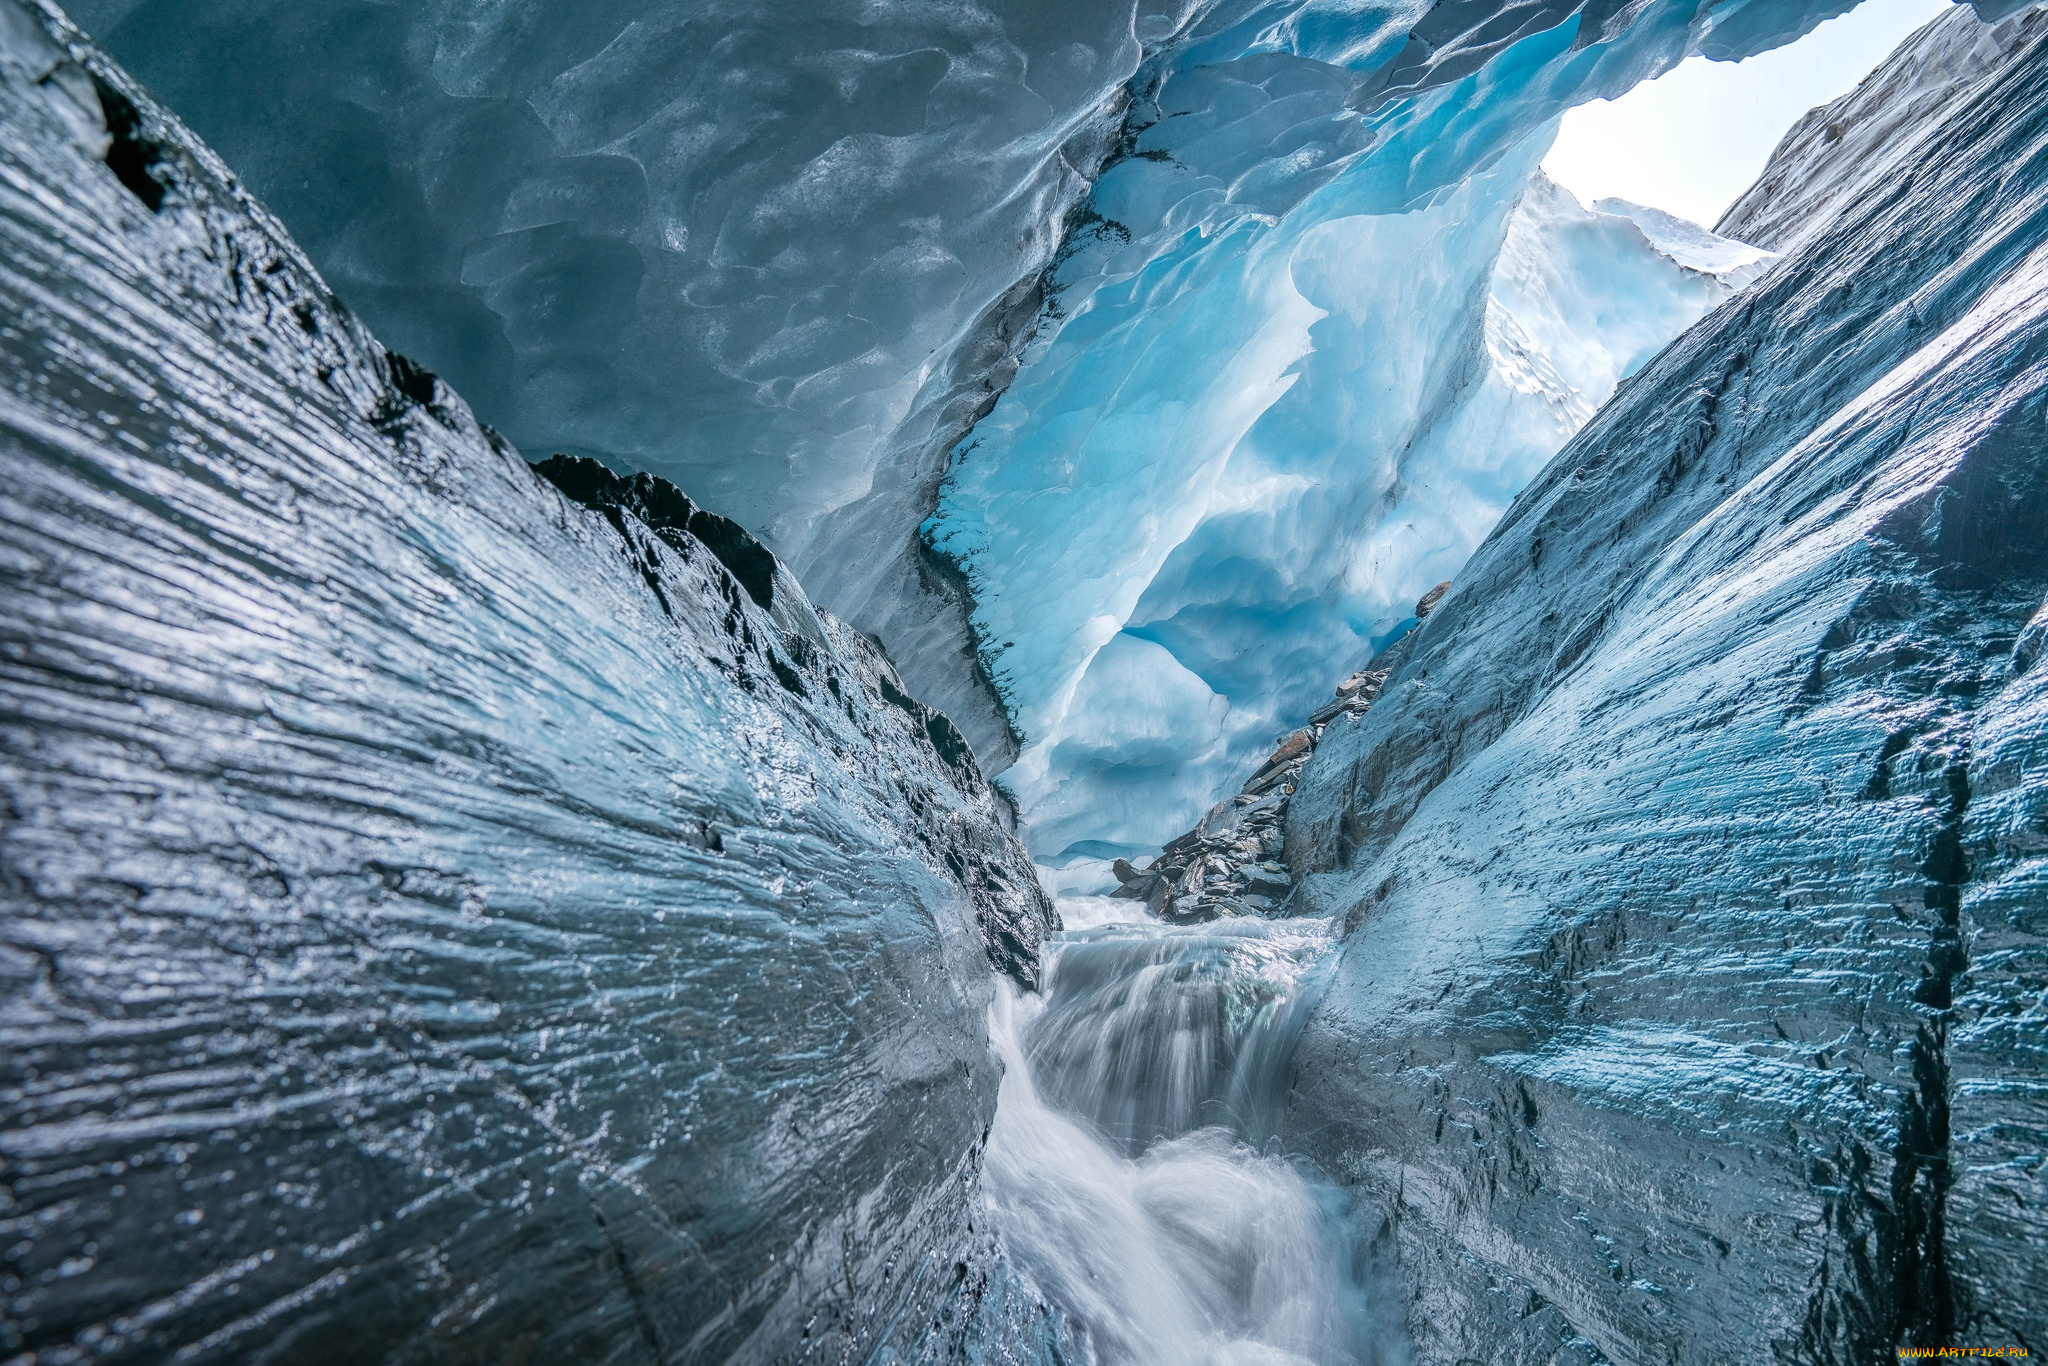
x,y
1259,512
789,259
1256,444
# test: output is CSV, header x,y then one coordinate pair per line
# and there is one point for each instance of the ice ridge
x,y
1692,851
440,918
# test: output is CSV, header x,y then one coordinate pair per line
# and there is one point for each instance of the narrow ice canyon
x,y
1014,682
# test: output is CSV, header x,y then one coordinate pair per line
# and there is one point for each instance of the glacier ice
x,y
786,258
1693,850
1845,149
1227,480
771,254
494,916
439,919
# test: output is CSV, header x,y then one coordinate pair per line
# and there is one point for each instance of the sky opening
x,y
1693,140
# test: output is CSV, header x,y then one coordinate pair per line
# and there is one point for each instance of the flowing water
x,y
1131,1166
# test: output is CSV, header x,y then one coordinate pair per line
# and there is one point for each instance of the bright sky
x,y
1694,139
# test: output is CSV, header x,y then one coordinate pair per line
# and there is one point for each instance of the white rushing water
x,y
1132,1167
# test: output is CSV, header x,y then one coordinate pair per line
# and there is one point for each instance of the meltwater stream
x,y
1130,1166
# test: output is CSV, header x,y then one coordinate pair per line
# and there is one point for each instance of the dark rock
x,y
1265,780
131,156
1263,809
1292,747
1140,887
1292,750
670,513
1363,685
1264,883
1329,711
1219,821
1192,911
1431,599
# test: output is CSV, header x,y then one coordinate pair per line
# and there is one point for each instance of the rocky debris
x,y
1431,599
1229,863
1354,694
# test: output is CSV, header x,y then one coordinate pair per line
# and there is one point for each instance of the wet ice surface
x,y
440,919
444,917
1695,843
1131,1168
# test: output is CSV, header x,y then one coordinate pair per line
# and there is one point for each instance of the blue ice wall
x,y
1248,443
786,256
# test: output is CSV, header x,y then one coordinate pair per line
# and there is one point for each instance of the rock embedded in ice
x,y
440,920
1693,852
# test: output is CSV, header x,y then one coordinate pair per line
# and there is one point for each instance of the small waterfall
x,y
1125,1167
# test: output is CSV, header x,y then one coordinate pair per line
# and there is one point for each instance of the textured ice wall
x,y
777,254
1278,405
786,255
1693,853
438,922
703,237
1230,478
1845,148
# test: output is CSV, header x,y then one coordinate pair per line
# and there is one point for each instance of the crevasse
x,y
453,910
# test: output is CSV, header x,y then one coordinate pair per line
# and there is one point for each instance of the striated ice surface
x,y
1845,149
787,256
1694,853
773,254
440,918
454,910
1215,494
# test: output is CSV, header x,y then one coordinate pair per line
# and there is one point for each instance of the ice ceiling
x,y
1195,340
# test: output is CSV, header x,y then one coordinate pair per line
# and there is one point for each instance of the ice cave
x,y
1137,683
